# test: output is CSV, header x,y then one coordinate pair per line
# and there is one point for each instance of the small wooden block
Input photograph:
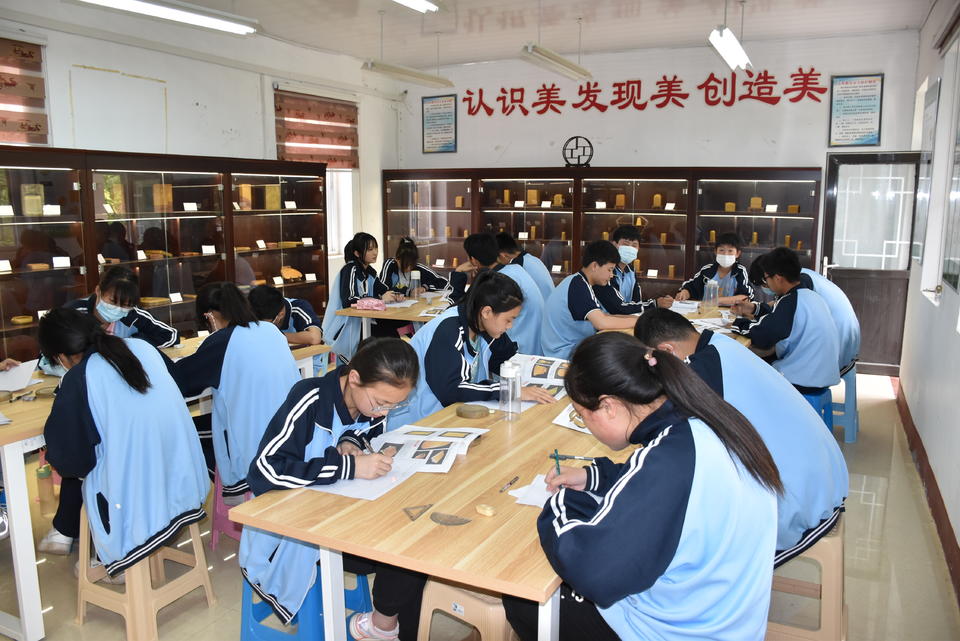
x,y
486,510
448,519
472,411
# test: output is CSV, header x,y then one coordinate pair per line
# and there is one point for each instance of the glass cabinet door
x,y
436,214
41,251
278,232
538,213
168,228
763,213
656,207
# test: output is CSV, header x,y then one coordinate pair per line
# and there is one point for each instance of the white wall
x,y
748,133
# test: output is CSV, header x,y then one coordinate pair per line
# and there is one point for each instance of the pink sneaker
x,y
362,629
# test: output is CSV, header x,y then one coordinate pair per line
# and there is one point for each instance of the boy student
x,y
815,484
511,252
482,254
294,316
622,294
731,275
799,327
573,312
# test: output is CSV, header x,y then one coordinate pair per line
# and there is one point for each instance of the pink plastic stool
x,y
406,330
221,523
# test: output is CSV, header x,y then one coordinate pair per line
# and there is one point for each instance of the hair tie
x,y
651,359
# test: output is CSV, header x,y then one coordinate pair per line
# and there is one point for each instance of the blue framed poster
x,y
439,124
856,106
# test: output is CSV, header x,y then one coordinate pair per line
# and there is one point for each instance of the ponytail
x,y
596,370
67,331
227,299
359,244
494,290
407,254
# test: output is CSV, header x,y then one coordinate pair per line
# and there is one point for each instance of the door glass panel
x,y
874,215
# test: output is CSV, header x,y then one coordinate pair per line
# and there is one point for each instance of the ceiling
x,y
481,30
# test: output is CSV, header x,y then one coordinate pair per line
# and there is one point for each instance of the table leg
x,y
366,327
548,618
331,581
306,367
30,625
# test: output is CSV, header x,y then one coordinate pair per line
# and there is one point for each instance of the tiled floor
x,y
897,584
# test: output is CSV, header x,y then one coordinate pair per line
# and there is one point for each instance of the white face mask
x,y
628,254
726,260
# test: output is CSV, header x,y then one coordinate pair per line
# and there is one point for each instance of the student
x,y
119,423
726,270
315,438
293,316
844,317
816,483
798,328
250,369
356,280
622,294
461,349
482,255
510,252
396,271
114,304
678,545
573,312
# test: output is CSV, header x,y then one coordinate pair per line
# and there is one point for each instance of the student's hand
x,y
372,466
574,478
466,267
392,297
537,394
744,309
733,300
8,363
347,448
665,301
417,293
683,294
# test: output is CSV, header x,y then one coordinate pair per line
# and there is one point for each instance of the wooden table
x,y
500,553
303,354
695,316
410,314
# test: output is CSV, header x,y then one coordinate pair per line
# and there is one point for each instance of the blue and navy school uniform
x,y
736,283
622,294
816,482
298,316
678,546
138,322
537,270
430,280
299,448
848,327
565,314
802,330
452,370
353,282
250,371
138,454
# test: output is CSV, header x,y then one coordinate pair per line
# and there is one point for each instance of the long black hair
x,y
122,284
494,290
407,254
386,360
358,246
69,332
227,299
597,369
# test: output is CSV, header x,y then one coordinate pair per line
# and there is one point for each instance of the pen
x,y
512,481
556,458
569,457
366,443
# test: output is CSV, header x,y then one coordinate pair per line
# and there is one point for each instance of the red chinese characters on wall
x,y
670,93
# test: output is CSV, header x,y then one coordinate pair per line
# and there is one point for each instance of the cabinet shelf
x,y
36,272
751,214
638,212
527,210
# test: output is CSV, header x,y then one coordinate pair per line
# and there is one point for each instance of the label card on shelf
x,y
189,206
652,273
41,313
522,235
51,210
207,250
670,206
176,297
310,278
307,241
289,204
107,207
101,259
236,205
203,333
261,244
278,280
545,203
441,262
518,203
6,210
141,255
600,204
555,269
771,209
61,261
5,266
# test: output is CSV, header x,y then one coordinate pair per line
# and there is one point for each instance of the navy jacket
x,y
429,279
697,284
138,322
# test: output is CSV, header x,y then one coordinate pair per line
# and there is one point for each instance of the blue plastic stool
x,y
309,620
823,403
848,415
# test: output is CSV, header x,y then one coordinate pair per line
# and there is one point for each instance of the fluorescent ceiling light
x,y
729,48
406,73
422,6
553,61
183,12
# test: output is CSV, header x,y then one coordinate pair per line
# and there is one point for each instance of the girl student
x,y
357,279
396,271
679,545
461,349
315,439
250,369
119,422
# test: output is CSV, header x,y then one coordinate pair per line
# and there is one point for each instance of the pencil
x,y
570,457
511,482
556,458
366,443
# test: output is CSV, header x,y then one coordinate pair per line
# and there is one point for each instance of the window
x,y
339,208
951,223
23,117
314,129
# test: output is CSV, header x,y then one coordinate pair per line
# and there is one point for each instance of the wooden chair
x,y
828,554
140,601
482,611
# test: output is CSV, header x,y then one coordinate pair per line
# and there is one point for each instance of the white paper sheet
x,y
535,494
410,302
541,370
685,306
370,489
495,405
568,418
18,377
462,437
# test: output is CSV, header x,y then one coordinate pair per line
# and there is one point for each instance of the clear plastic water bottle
x,y
414,282
711,297
510,389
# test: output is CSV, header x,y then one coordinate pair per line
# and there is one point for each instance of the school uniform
x,y
537,270
299,448
353,282
138,454
678,545
816,483
138,322
250,370
736,283
622,294
848,327
399,281
802,330
451,368
565,321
